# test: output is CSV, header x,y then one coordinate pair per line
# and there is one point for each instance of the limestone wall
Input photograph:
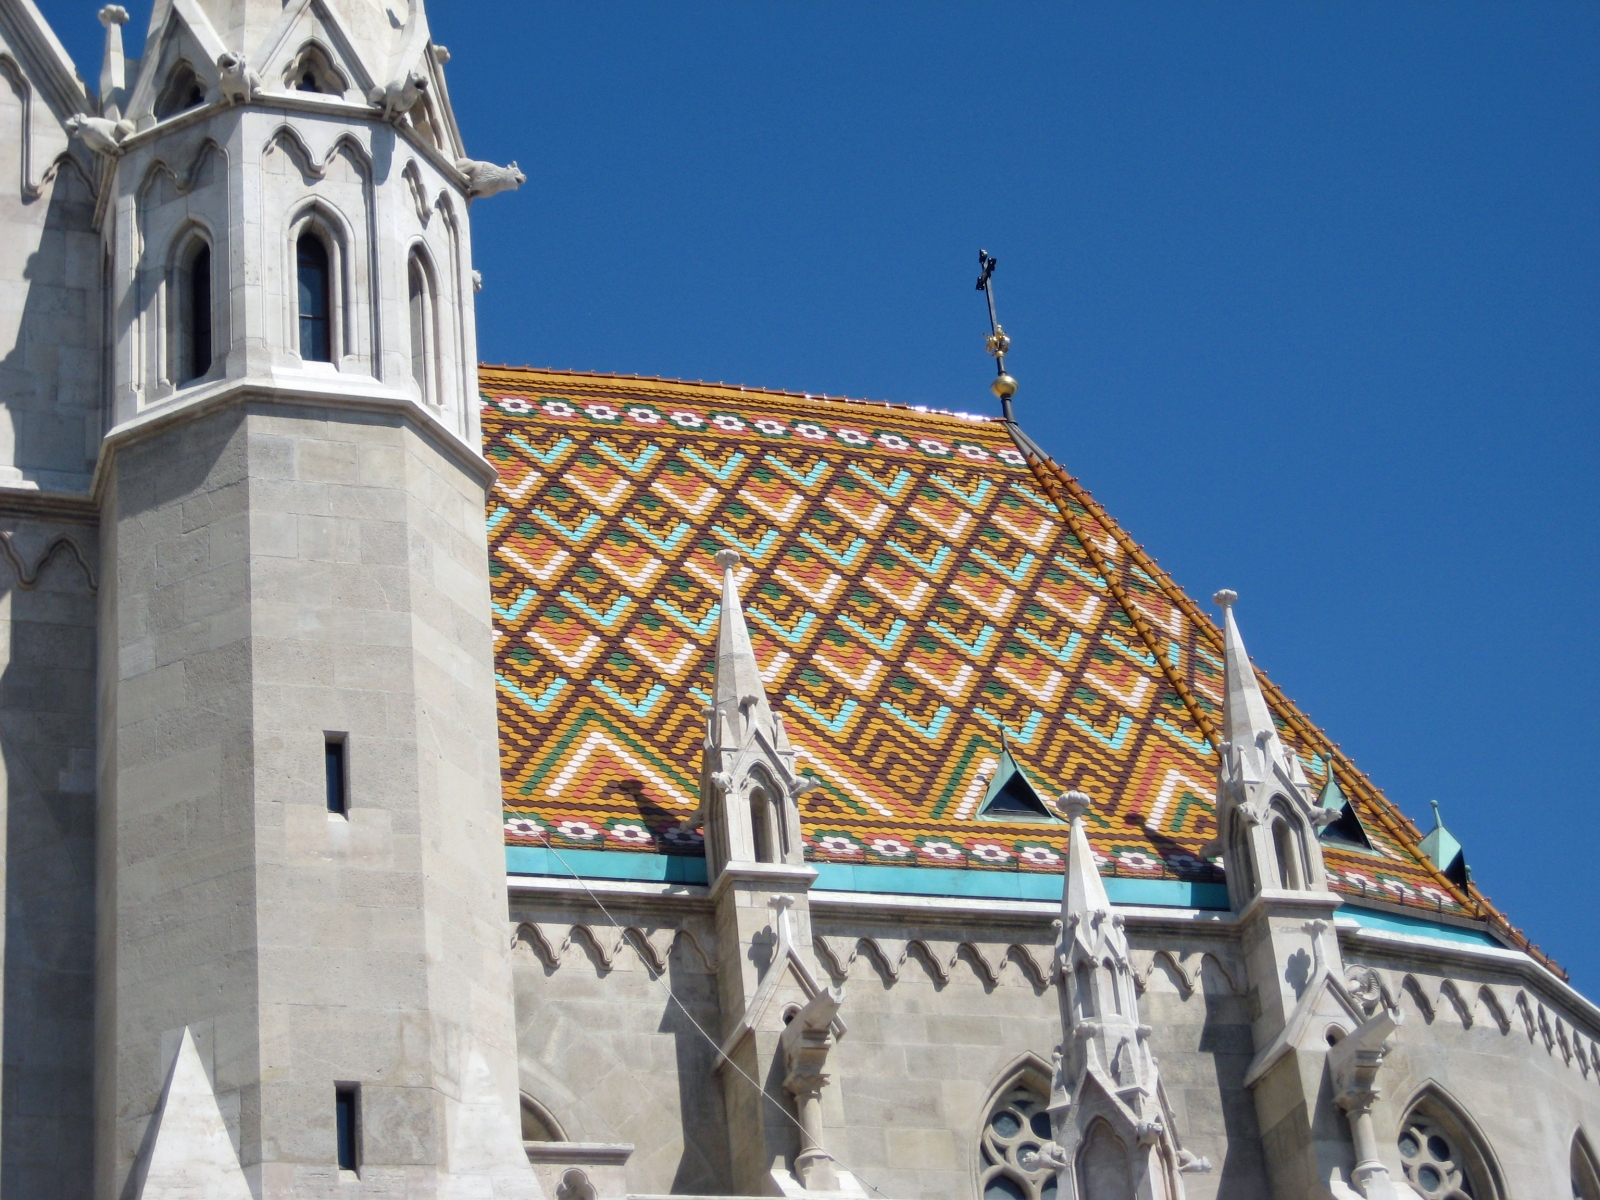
x,y
943,1015
47,816
1503,1057
278,573
50,271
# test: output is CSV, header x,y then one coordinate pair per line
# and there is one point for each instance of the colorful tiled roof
x,y
915,582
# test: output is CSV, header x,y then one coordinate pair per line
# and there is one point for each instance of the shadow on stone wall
x,y
50,397
703,1168
1226,1037
47,740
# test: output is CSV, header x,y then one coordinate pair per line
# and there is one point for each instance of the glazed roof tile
x,y
915,583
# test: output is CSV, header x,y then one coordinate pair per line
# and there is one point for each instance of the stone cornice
x,y
49,506
206,401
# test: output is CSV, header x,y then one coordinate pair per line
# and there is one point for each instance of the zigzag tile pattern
x,y
911,589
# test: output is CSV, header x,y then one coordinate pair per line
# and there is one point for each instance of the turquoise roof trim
x,y
849,877
1417,926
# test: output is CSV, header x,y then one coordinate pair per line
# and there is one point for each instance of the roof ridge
x,y
740,389
1398,825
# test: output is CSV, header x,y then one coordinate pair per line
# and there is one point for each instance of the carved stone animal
x,y
239,83
100,135
400,95
486,179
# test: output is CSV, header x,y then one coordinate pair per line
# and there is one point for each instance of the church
x,y
432,779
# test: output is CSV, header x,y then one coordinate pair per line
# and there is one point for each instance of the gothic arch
x,y
24,91
1103,1168
1437,1135
317,217
425,325
1585,1168
313,69
185,310
1288,844
538,1122
182,89
457,299
182,182
1014,1117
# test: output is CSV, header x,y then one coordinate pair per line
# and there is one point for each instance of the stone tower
x,y
301,909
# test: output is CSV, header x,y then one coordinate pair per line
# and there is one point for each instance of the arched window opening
x,y
1017,1125
1585,1170
537,1123
315,298
1440,1156
313,71
1237,864
1103,1168
182,90
195,314
761,826
1083,989
424,329
1288,855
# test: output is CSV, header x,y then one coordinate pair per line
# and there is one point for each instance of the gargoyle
x,y
487,179
100,135
400,95
239,83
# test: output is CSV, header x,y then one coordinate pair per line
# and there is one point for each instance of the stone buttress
x,y
1320,1032
779,1022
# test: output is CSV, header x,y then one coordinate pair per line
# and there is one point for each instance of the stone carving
x,y
654,946
100,134
487,179
806,1040
239,82
400,95
1354,1062
29,579
938,958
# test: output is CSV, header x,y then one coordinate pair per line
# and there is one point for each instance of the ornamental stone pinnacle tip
x,y
1075,805
727,560
113,14
1226,598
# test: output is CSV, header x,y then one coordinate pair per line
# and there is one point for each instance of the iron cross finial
x,y
998,342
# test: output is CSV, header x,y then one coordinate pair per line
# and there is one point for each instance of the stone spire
x,y
1247,725
1267,817
1106,1070
748,784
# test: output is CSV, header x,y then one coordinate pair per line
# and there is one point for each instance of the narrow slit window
x,y
338,783
311,264
346,1117
199,313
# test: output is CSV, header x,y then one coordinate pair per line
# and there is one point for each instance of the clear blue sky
x,y
1306,294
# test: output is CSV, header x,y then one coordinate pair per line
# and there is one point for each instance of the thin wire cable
x,y
710,1041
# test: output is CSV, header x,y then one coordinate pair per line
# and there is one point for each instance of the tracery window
x,y
1439,1159
423,309
1018,1125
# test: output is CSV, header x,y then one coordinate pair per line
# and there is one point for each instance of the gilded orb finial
x,y
999,342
